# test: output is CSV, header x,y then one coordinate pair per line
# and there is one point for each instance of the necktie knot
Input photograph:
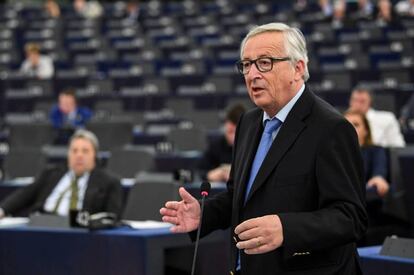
x,y
272,125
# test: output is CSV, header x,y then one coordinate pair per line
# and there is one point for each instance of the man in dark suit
x,y
298,208
215,164
80,186
66,116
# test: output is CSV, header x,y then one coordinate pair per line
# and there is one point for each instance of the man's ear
x,y
299,69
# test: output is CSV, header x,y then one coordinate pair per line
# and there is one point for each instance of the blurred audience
x,y
215,164
365,10
36,65
52,8
405,7
339,14
132,11
88,9
384,126
325,7
79,186
67,116
385,13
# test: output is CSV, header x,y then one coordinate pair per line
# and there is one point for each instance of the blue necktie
x,y
264,145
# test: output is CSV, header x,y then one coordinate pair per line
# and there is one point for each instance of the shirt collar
x,y
283,113
73,175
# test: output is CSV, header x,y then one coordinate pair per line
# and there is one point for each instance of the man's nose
x,y
254,72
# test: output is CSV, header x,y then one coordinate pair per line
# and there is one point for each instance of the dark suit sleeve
x,y
379,163
24,197
340,217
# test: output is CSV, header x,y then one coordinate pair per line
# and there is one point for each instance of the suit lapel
x,y
91,190
249,148
288,133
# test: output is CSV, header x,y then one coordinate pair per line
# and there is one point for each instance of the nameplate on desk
x,y
398,247
47,220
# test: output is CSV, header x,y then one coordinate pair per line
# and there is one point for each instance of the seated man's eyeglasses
x,y
263,64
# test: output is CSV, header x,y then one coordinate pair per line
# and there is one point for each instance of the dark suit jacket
x,y
312,178
219,152
103,193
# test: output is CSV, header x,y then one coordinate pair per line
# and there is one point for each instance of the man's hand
x,y
184,214
260,235
221,173
381,184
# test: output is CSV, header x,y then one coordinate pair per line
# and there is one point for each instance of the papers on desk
x,y
146,224
22,181
13,222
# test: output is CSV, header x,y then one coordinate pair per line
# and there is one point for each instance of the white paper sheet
x,y
146,224
12,222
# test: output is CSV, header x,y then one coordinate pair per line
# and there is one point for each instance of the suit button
x,y
231,273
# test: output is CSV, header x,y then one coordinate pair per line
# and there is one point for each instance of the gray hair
x,y
88,135
295,44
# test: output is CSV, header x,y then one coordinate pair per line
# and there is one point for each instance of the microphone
x,y
204,191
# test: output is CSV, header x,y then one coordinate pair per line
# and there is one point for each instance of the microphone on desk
x,y
204,191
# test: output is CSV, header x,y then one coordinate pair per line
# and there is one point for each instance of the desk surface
x,y
79,251
375,264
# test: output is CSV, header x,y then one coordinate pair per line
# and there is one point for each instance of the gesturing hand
x,y
260,235
184,214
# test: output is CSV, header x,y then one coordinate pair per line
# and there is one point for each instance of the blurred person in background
x,y
385,14
360,10
81,185
339,14
132,11
384,126
52,8
36,65
216,160
405,7
375,158
88,9
383,220
66,116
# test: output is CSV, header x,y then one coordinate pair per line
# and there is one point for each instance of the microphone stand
x,y
203,194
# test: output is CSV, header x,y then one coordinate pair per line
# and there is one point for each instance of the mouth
x,y
257,90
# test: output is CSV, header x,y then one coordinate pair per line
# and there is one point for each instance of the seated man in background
x,y
80,186
36,65
384,126
215,165
67,116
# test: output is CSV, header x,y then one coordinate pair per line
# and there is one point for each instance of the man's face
x,y
67,103
358,123
33,57
81,156
360,102
229,132
271,90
